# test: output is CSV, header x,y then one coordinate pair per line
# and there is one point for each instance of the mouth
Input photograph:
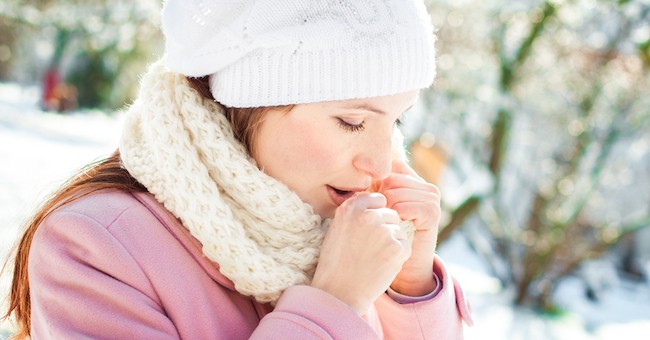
x,y
340,195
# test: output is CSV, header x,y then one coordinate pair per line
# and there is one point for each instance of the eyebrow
x,y
368,107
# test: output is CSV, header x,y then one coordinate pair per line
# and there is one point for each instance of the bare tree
x,y
544,99
103,45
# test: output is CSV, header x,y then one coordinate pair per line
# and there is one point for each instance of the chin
x,y
325,212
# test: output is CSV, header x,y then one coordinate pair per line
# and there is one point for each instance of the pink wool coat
x,y
120,266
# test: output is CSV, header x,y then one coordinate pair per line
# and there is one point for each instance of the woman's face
x,y
327,151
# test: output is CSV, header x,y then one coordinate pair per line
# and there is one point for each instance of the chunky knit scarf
x,y
181,147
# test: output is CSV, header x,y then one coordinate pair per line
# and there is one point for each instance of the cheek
x,y
300,150
312,147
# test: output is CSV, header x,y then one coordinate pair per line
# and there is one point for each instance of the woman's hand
x,y
363,251
416,200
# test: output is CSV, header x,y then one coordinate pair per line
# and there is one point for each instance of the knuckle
x,y
432,196
429,209
346,207
433,188
370,215
371,199
380,199
392,246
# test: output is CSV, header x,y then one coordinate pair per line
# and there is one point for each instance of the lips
x,y
340,195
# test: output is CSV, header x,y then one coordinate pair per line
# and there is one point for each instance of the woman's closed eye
x,y
358,126
351,126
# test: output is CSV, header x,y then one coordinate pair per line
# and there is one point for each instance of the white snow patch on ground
x,y
623,311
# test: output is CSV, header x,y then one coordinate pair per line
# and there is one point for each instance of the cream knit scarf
x,y
182,149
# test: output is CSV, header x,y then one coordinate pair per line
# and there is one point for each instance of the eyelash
x,y
351,127
358,128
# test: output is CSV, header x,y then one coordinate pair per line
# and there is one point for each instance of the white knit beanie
x,y
279,52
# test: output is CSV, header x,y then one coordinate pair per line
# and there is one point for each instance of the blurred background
x,y
537,131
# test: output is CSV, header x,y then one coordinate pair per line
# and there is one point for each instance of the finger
x,y
424,216
407,248
399,195
405,242
406,181
401,167
383,216
396,231
366,200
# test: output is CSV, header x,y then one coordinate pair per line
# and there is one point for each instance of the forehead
x,y
384,105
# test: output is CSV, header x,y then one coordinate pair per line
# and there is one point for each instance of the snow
x,y
40,150
623,310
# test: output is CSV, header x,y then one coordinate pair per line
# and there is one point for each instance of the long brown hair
x,y
104,174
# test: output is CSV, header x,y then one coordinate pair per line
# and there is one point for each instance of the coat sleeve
x,y
440,317
307,313
304,312
85,284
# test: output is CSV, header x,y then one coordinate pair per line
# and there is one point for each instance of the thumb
x,y
368,200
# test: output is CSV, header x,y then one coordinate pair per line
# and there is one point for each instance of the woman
x,y
259,189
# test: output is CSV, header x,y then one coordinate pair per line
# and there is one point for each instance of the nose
x,y
375,158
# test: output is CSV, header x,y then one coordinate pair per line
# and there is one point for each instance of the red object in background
x,y
51,80
57,95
